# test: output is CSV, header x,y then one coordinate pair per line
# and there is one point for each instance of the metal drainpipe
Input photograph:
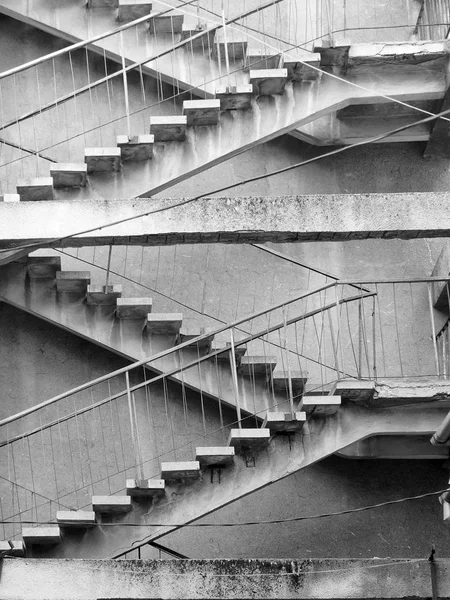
x,y
441,436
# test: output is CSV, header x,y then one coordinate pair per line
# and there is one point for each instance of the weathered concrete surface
x,y
394,392
334,217
227,578
398,53
439,142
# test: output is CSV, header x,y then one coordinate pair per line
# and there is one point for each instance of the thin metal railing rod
x,y
394,280
149,359
183,368
235,379
433,329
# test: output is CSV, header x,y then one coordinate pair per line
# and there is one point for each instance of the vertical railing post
x,y
125,86
134,442
433,330
374,347
290,390
235,379
338,332
108,269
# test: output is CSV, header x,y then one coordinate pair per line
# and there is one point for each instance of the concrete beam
x,y
333,217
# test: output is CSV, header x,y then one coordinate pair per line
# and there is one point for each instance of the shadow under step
x,y
235,97
168,129
133,308
214,455
164,323
75,282
188,333
138,147
280,380
69,175
99,160
101,295
258,58
145,487
41,536
129,10
112,505
321,405
76,519
267,82
172,23
280,421
37,189
257,365
201,112
43,267
176,471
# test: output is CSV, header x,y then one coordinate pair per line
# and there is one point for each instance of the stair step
x,y
80,519
40,188
299,71
258,58
267,82
129,10
163,323
239,352
250,438
41,536
102,159
201,112
10,198
73,281
204,42
173,471
69,175
168,129
210,456
17,549
133,308
43,267
190,332
446,513
235,97
138,147
100,295
280,380
169,23
352,389
257,365
145,487
237,48
321,405
103,3
280,421
111,504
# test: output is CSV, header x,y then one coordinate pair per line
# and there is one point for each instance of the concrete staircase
x,y
188,490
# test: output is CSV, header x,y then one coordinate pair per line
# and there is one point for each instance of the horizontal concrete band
x,y
229,220
295,578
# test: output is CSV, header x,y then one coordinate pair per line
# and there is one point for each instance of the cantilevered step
x,y
175,471
129,10
257,365
102,159
204,42
168,23
138,147
214,455
41,536
10,198
40,188
76,519
321,405
237,47
12,548
267,82
133,308
145,488
191,332
201,112
43,267
112,505
280,380
258,58
235,97
103,3
168,129
73,281
239,352
280,421
164,323
101,295
249,438
300,65
69,174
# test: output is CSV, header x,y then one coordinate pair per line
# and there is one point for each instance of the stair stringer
x,y
185,504
125,338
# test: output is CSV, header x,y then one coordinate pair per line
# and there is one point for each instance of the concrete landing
x,y
212,456
111,504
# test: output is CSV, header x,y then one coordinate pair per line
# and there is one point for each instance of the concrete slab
x,y
10,198
102,159
211,456
133,308
41,536
129,10
203,43
280,380
69,174
280,421
249,438
102,3
257,365
111,504
162,323
40,188
298,65
146,488
267,82
99,295
321,405
43,267
173,471
171,23
235,97
168,129
12,547
73,281
76,519
138,147
258,58
201,112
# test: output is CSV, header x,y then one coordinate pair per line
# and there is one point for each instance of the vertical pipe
x,y
235,379
433,329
